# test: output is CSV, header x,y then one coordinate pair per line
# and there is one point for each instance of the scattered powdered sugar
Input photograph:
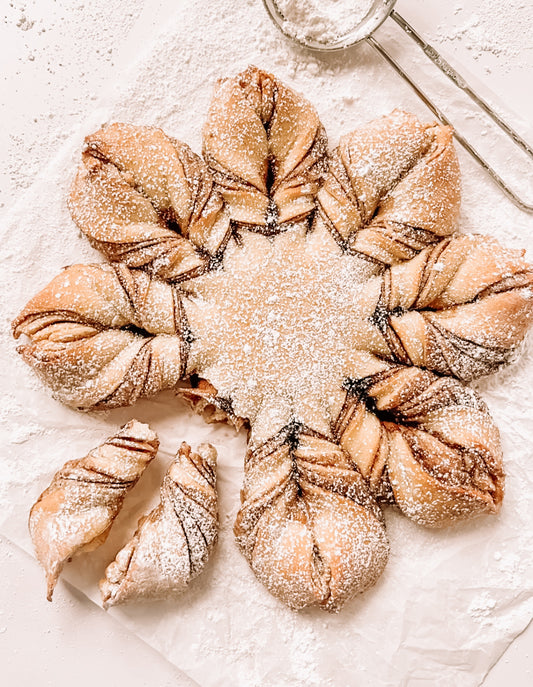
x,y
492,29
227,629
56,82
482,607
323,21
303,640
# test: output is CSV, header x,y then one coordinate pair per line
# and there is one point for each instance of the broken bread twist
x,y
75,513
173,542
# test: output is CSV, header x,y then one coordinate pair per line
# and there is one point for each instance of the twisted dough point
x,y
459,308
85,341
173,542
147,200
307,525
433,442
393,187
266,147
77,510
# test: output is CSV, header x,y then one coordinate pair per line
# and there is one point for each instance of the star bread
x,y
325,299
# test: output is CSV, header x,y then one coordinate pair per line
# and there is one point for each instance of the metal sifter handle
x,y
380,11
460,82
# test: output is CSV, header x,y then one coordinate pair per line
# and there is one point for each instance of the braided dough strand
x,y
307,524
147,200
102,336
392,188
173,542
266,147
459,308
75,513
433,441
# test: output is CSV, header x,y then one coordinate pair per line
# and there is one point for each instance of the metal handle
x,y
460,82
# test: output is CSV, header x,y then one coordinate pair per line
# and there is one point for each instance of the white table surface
x,y
57,56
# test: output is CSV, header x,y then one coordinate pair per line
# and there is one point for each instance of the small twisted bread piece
x,y
432,442
102,336
459,308
392,188
307,524
77,510
266,148
147,200
173,542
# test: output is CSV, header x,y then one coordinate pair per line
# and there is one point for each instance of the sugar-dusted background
x,y
68,66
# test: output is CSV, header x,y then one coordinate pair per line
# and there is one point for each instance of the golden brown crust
x,y
459,308
74,514
266,148
392,188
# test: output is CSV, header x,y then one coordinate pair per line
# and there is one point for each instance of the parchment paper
x,y
449,601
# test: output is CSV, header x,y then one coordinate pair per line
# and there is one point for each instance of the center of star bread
x,y
281,325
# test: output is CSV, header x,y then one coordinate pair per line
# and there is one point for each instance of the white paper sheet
x,y
449,601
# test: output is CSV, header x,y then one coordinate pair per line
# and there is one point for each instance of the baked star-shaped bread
x,y
325,298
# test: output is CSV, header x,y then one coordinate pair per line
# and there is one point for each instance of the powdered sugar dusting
x,y
432,578
494,36
275,303
287,260
75,512
322,20
173,542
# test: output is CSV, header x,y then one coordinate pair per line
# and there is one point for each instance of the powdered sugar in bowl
x,y
328,24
